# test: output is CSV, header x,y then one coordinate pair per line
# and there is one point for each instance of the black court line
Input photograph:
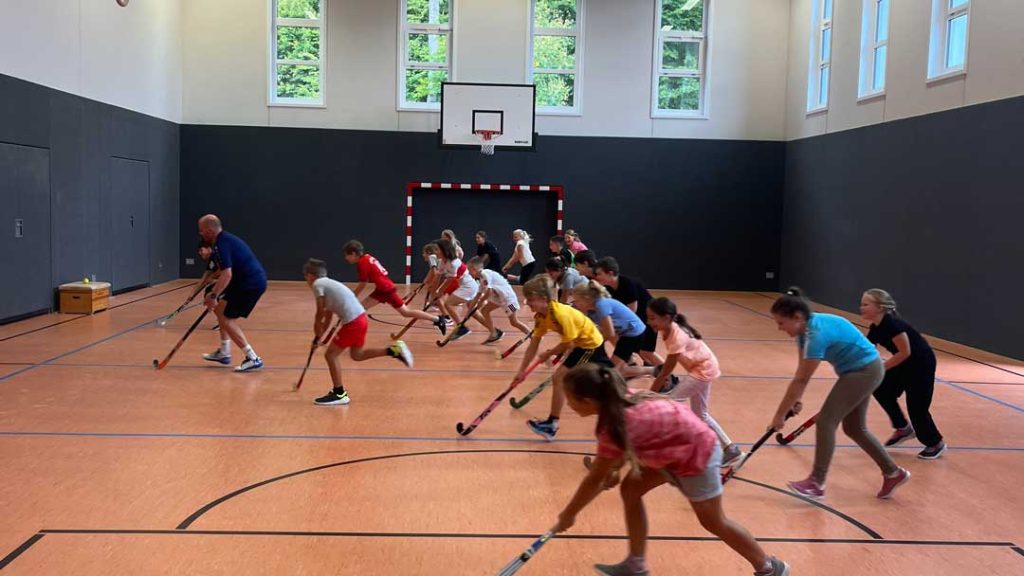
x,y
20,550
1018,550
79,317
198,513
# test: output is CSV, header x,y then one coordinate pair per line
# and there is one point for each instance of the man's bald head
x,y
209,227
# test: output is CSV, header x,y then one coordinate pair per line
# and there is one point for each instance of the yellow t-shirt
x,y
571,324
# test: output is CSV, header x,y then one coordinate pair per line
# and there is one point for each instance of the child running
x,y
633,294
685,347
573,242
460,289
370,270
448,235
522,255
498,293
580,340
333,297
663,442
556,245
617,323
566,277
835,340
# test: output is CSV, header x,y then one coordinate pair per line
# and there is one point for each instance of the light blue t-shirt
x,y
837,341
624,320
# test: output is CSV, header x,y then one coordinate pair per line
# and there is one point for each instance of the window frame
x,y
578,32
869,46
819,24
661,37
405,29
273,100
938,44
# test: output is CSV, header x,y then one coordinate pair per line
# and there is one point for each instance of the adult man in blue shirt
x,y
241,283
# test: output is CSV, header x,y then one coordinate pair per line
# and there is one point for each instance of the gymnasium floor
x,y
110,467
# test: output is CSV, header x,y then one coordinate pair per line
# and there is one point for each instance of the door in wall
x,y
24,230
129,223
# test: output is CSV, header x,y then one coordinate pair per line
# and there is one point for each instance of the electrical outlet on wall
x,y
190,261
769,275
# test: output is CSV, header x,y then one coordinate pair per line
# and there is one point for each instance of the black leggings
x,y
526,272
919,384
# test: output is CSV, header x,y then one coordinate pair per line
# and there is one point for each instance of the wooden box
x,y
82,298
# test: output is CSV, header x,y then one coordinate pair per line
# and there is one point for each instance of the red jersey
x,y
370,270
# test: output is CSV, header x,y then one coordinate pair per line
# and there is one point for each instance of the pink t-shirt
x,y
576,246
664,434
695,355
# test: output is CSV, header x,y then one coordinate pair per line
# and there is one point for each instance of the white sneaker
x,y
402,353
218,356
250,364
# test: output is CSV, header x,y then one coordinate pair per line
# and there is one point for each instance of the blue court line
x,y
980,395
213,436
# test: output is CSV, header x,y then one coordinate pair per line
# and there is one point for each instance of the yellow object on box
x,y
85,280
84,297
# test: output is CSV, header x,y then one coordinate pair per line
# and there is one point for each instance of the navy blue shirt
x,y
230,251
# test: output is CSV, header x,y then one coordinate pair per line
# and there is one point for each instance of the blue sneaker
x,y
546,430
218,356
250,364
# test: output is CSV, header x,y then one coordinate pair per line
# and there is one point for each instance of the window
x,y
874,47
680,58
298,40
821,56
947,53
425,50
556,55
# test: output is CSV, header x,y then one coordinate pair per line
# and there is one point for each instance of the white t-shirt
x,y
339,299
526,256
501,291
467,285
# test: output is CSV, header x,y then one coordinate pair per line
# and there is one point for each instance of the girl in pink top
x,y
663,441
573,242
686,347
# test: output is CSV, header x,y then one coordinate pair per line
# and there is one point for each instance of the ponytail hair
x,y
605,387
664,307
883,299
791,304
523,235
447,248
591,290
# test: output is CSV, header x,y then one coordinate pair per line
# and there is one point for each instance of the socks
x,y
250,353
636,563
225,347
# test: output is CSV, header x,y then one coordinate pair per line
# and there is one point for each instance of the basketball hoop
x,y
486,138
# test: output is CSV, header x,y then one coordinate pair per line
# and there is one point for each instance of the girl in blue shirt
x,y
835,340
617,323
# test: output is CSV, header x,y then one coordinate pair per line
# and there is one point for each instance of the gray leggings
x,y
848,403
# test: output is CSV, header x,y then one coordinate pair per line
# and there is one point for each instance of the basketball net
x,y
486,138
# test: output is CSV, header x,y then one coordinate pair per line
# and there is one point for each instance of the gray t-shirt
x,y
338,298
571,279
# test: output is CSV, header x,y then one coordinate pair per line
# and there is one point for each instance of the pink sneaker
x,y
890,484
808,488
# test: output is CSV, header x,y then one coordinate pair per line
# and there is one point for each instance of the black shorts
x,y
593,355
649,340
627,346
241,302
526,272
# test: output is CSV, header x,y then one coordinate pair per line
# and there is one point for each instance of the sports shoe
x,y
448,320
932,452
546,429
462,331
890,484
218,356
401,352
498,334
332,398
732,455
776,568
250,364
808,488
900,435
620,569
670,385
441,325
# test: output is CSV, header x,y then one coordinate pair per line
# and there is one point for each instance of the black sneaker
x,y
332,399
932,452
441,325
900,435
498,334
461,332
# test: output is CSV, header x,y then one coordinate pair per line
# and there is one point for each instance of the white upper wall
x,y
129,57
995,65
225,67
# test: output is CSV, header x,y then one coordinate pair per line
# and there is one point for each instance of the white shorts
x,y
508,306
465,292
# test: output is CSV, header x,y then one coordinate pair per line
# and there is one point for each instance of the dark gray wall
x,y
687,214
81,137
928,208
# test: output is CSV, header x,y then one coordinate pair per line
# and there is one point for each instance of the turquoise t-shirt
x,y
624,320
837,341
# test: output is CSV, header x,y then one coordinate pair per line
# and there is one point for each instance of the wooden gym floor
x,y
110,467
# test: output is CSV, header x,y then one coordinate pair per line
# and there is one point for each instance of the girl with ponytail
x,y
663,442
617,323
686,347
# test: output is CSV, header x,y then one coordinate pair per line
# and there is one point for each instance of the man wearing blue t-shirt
x,y
241,283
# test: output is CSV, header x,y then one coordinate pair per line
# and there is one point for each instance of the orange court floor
x,y
112,467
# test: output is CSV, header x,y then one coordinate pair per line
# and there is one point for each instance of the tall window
x,y
556,54
874,47
425,49
947,53
298,41
680,58
821,56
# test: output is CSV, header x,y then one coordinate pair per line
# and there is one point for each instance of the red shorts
x,y
353,334
388,297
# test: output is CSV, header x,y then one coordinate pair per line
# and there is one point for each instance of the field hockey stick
x,y
158,364
499,355
760,441
312,350
517,404
163,321
455,329
792,435
517,562
412,296
466,430
426,304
